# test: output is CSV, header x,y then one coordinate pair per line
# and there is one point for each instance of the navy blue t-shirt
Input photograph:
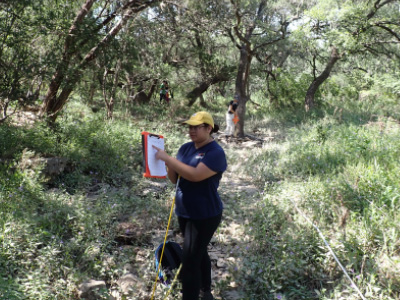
x,y
200,200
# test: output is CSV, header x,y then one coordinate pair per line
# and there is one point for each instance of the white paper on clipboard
x,y
156,166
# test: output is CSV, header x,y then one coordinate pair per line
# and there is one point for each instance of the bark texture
x,y
310,95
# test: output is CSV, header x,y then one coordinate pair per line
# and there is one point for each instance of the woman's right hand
x,y
161,154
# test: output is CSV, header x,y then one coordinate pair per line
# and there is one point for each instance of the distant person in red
x,y
164,92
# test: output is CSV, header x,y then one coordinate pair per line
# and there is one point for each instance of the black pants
x,y
196,264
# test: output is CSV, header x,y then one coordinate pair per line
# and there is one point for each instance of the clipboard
x,y
153,168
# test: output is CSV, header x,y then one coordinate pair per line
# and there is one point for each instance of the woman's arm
x,y
190,173
172,175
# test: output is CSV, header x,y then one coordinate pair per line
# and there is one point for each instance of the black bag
x,y
170,262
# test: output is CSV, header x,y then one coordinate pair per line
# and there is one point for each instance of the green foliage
x,y
286,260
339,163
28,44
343,175
290,89
58,232
98,149
340,170
327,148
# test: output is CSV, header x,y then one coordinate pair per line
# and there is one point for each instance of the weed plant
x,y
342,173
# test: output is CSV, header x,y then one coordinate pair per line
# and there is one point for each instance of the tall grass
x,y
339,166
343,174
57,232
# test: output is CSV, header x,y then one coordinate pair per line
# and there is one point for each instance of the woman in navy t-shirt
x,y
200,164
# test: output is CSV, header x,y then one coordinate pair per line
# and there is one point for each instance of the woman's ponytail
x,y
215,129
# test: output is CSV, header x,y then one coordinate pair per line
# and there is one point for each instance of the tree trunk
x,y
245,47
110,103
273,100
4,108
242,80
203,86
92,88
104,89
52,104
309,101
197,92
141,97
152,88
202,101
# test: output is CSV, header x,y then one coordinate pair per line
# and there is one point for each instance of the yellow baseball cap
x,y
201,117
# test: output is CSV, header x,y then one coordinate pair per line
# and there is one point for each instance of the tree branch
x,y
233,39
377,6
388,30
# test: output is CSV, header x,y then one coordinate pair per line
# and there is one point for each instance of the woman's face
x,y
199,133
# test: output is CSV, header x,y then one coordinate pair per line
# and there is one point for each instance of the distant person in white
x,y
230,114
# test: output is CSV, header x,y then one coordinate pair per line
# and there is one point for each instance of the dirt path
x,y
239,196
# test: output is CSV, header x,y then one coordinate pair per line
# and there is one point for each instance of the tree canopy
x,y
316,145
285,50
